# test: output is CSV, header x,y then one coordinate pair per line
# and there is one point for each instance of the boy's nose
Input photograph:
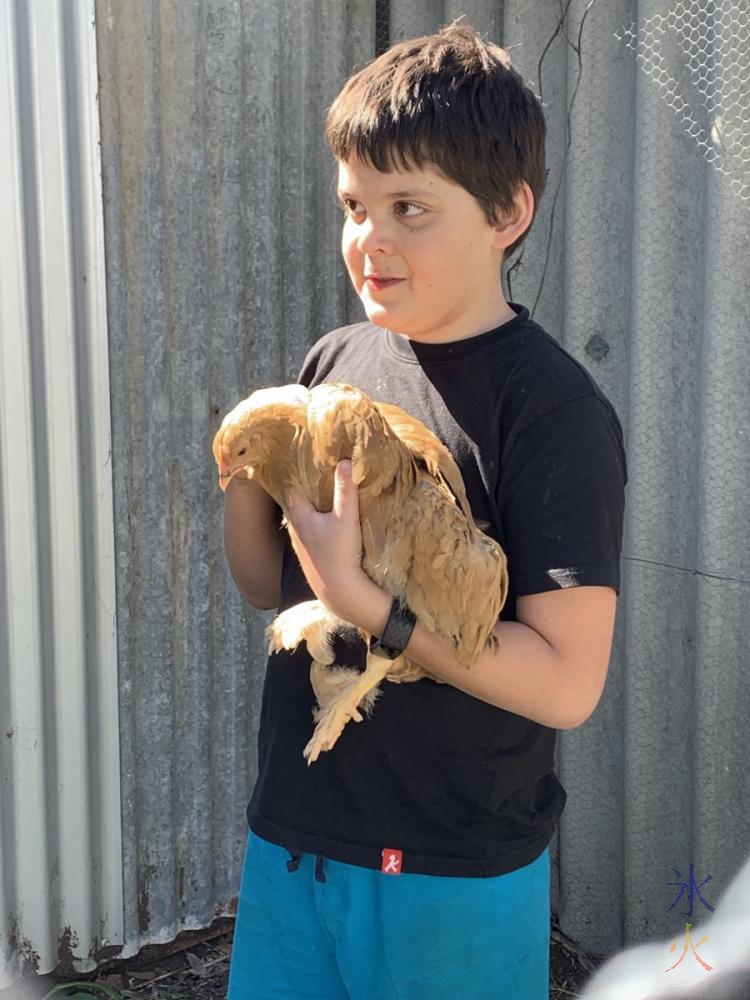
x,y
374,236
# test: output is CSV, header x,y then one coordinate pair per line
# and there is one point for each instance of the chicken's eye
x,y
242,451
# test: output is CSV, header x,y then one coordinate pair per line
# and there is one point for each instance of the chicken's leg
x,y
333,719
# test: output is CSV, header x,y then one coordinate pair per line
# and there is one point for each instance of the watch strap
x,y
397,631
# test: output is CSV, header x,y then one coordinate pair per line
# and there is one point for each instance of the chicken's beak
x,y
224,471
226,476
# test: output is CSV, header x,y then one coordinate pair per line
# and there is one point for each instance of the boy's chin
x,y
379,315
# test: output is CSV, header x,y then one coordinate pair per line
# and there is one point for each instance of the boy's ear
x,y
513,224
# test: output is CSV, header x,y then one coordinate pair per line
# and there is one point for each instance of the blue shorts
x,y
364,935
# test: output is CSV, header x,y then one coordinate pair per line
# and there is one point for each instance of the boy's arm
x,y
550,665
253,542
253,537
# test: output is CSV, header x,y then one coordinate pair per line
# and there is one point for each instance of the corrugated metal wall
x,y
223,266
653,262
60,830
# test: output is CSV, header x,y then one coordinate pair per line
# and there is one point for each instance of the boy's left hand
x,y
329,546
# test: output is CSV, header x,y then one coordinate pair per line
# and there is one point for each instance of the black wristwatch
x,y
397,632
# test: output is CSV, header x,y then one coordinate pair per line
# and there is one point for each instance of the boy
x,y
412,861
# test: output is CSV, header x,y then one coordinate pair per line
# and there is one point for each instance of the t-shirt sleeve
x,y
561,498
319,360
309,366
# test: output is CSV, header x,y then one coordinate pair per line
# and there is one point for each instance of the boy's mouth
x,y
378,283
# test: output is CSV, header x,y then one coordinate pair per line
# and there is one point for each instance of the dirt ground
x,y
196,967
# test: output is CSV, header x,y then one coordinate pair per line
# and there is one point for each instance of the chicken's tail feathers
x,y
457,577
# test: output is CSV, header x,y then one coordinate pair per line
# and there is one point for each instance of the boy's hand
x,y
329,546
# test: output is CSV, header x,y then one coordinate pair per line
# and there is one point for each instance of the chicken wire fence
x,y
382,26
698,54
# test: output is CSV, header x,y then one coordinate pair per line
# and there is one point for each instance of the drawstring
x,y
293,864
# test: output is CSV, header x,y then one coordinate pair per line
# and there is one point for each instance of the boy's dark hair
x,y
453,102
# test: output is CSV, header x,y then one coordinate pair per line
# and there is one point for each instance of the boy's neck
x,y
457,331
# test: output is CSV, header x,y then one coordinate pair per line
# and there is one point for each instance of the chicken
x,y
420,541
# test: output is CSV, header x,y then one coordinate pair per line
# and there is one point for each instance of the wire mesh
x,y
698,53
382,25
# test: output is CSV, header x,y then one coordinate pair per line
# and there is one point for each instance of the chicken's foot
x,y
335,716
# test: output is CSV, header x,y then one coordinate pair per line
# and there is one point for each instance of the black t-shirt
x,y
460,786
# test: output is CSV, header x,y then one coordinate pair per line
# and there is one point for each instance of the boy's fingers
x,y
345,493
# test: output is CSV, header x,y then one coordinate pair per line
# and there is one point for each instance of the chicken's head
x,y
252,434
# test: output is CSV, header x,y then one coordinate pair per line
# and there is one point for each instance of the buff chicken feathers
x,y
420,541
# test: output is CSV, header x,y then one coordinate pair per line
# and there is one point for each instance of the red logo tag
x,y
392,858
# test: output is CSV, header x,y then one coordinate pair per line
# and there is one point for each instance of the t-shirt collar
x,y
414,350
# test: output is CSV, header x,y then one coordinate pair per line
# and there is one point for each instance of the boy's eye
x,y
410,204
349,207
345,204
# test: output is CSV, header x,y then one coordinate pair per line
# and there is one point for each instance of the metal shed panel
x,y
223,266
60,869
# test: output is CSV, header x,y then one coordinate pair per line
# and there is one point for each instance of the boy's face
x,y
432,235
